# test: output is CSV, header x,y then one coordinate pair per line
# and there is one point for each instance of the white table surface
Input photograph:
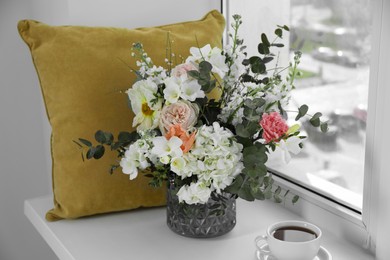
x,y
143,234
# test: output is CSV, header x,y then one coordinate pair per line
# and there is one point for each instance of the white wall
x,y
24,131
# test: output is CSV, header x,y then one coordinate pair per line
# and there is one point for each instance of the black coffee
x,y
294,234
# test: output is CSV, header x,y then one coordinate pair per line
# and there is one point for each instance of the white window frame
x,y
361,229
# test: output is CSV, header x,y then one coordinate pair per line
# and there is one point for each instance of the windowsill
x,y
144,233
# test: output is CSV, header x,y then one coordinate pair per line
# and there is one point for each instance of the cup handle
x,y
262,238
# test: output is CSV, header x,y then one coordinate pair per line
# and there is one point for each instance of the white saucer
x,y
323,254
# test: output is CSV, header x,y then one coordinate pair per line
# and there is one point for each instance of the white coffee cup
x,y
290,240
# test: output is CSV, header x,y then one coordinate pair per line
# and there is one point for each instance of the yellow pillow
x,y
82,72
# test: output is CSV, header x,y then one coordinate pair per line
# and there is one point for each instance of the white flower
x,y
145,104
213,56
215,158
172,90
195,193
135,158
163,147
198,53
283,150
165,159
177,165
218,61
191,90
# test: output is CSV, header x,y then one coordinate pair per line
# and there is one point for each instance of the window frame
x,y
358,228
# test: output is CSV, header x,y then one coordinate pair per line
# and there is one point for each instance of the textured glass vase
x,y
215,218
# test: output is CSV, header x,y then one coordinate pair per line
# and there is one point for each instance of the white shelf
x,y
143,234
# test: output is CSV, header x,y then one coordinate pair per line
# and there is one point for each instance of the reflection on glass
x,y
334,37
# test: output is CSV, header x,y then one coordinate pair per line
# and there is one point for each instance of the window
x,y
368,229
335,41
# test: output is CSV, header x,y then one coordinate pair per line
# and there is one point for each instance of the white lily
x,y
147,112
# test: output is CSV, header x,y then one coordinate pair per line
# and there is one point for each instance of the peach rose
x,y
180,71
274,126
182,112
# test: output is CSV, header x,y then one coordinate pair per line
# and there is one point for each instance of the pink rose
x,y
181,113
180,71
274,126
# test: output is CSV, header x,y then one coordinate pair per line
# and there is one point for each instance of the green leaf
x,y
100,137
302,111
104,137
86,142
242,131
79,145
254,59
279,32
277,198
251,172
126,137
267,59
255,155
324,127
113,168
258,68
315,120
278,190
263,49
268,192
295,199
208,85
264,39
236,185
245,193
259,195
244,141
99,152
279,45
205,66
90,152
194,74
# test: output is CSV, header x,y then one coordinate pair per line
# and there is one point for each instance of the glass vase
x,y
212,219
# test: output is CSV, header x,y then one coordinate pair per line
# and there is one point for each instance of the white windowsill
x,y
143,234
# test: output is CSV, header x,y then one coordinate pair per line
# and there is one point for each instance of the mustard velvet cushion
x,y
82,71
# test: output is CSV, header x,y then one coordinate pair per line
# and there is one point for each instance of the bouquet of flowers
x,y
209,145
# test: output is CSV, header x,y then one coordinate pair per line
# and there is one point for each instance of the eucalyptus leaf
x,y
205,66
236,185
279,45
263,49
267,59
315,120
245,193
302,111
99,152
277,198
86,142
242,131
295,199
324,127
91,152
279,32
264,39
126,137
194,74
